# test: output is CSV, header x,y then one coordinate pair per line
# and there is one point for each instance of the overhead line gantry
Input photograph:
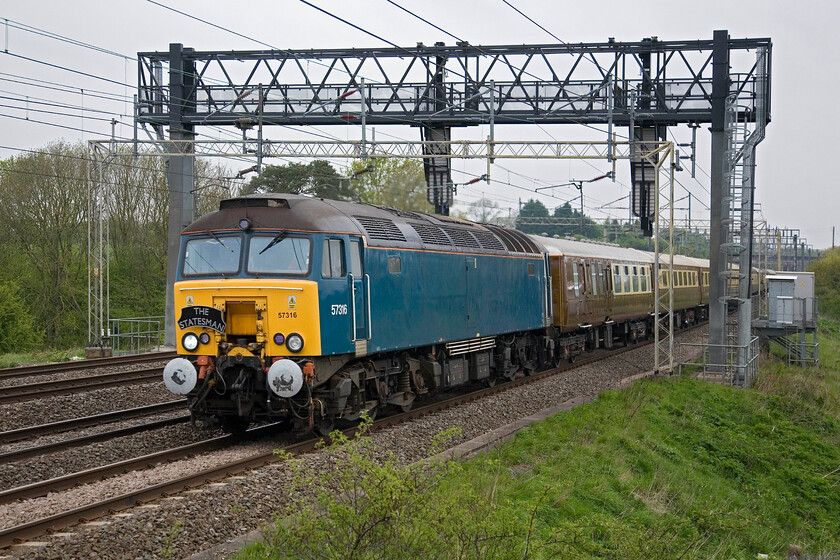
x,y
646,86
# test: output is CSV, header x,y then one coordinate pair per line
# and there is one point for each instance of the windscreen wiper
x,y
277,239
222,243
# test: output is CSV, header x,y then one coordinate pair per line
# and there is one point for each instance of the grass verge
x,y
39,357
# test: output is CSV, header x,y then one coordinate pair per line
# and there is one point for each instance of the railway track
x,y
82,365
44,389
127,500
87,421
35,451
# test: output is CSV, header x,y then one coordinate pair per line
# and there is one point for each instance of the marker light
x,y
294,342
189,342
279,339
204,338
244,224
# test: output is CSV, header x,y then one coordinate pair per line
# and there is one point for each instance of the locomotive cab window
x,y
531,269
278,254
332,259
355,258
214,255
394,265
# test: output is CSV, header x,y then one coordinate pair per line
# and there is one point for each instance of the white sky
x,y
795,184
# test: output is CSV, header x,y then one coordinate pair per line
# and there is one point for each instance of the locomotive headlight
x,y
190,342
294,342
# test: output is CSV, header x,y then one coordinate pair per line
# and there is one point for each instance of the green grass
x,y
672,468
40,357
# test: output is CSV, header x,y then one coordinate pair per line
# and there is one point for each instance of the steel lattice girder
x,y
531,84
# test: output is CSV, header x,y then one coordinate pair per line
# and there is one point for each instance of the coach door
x,y
359,293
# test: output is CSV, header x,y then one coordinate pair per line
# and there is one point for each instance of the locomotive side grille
x,y
488,240
378,228
472,345
431,234
461,237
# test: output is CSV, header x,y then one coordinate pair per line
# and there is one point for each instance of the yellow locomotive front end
x,y
243,345
247,323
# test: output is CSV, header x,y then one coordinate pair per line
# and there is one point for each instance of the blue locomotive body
x,y
325,309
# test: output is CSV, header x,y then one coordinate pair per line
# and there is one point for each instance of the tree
x,y
42,220
484,211
533,209
394,182
317,178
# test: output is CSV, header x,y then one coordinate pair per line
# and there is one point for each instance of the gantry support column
x,y
438,170
717,232
179,172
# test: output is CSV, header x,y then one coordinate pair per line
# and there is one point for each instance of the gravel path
x,y
196,520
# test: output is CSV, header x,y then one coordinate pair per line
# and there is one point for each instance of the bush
x,y
827,280
18,331
370,505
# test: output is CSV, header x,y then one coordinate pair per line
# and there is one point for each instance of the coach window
x,y
575,279
583,278
616,279
644,279
635,279
332,261
626,280
394,265
594,267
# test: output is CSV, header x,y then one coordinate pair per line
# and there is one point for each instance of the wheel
x,y
572,358
490,381
407,407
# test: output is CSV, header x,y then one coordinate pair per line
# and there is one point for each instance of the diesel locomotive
x,y
306,310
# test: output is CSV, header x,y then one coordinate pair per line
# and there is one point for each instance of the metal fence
x,y
135,335
738,368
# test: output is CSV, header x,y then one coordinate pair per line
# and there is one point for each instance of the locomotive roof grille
x,y
514,240
488,240
378,228
461,237
433,235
